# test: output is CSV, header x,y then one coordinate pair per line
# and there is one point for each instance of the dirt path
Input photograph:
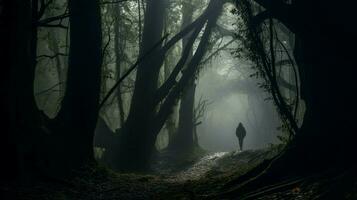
x,y
205,174
200,168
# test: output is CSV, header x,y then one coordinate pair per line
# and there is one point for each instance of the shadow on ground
x,y
200,178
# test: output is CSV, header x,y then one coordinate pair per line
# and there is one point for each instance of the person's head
x,y
240,124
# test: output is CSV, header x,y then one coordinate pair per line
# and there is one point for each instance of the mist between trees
x,y
119,82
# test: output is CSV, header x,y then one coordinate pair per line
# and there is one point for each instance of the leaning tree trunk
x,y
138,136
134,149
76,121
214,9
183,140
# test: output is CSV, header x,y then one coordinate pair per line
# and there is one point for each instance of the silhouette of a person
x,y
240,133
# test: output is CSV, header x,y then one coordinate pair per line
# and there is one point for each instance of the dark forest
x,y
178,99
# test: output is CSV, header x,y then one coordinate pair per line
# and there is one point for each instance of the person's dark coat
x,y
240,133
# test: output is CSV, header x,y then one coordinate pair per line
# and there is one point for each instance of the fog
x,y
223,81
234,97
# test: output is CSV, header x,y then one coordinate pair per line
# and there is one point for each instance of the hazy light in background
x,y
229,106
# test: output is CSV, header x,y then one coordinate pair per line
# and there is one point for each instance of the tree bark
x,y
135,146
183,139
76,121
22,117
215,8
138,136
326,137
171,121
119,51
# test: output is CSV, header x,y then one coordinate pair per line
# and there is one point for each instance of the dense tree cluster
x,y
129,69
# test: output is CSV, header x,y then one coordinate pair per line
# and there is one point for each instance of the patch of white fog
x,y
234,97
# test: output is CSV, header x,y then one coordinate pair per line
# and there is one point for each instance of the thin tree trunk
x,y
118,48
184,139
185,132
168,65
171,121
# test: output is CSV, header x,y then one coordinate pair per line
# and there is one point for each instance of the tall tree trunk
x,y
323,122
319,49
76,121
326,139
138,136
18,103
134,148
168,67
214,9
171,120
184,139
119,51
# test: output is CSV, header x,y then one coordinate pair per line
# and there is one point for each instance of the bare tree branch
x,y
52,19
171,80
176,91
217,51
48,89
52,56
113,2
130,70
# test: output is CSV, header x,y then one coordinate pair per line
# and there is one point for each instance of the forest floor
x,y
198,177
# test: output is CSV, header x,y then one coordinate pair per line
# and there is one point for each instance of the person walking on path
x,y
240,133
